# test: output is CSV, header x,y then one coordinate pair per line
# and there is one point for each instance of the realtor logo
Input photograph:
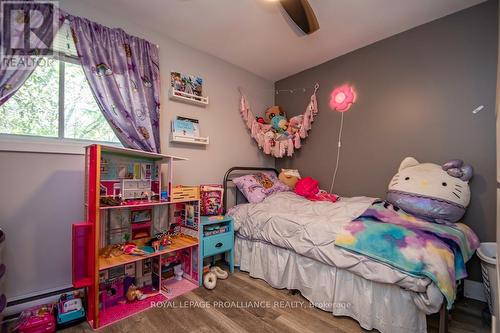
x,y
27,32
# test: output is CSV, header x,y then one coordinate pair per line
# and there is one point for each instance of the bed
x,y
287,241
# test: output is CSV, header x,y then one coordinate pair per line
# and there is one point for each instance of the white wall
x,y
42,194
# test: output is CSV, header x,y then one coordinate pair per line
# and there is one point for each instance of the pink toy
x,y
308,188
38,319
211,199
112,292
132,249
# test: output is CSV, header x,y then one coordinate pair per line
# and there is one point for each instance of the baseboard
x,y
16,305
474,290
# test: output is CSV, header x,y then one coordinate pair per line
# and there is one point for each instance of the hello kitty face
x,y
449,182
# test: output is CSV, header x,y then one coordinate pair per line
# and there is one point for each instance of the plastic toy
x,y
133,250
178,272
133,293
112,291
431,192
37,320
69,310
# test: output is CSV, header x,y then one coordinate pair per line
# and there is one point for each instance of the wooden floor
x,y
278,317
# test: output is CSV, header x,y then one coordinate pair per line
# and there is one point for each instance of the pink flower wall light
x,y
342,98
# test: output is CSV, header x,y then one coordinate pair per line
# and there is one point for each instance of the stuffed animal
x,y
272,112
280,124
260,120
432,192
294,124
309,188
289,177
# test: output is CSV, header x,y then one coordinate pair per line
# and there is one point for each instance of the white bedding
x,y
384,307
309,228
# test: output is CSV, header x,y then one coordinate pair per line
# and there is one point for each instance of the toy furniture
x,y
133,234
69,310
216,236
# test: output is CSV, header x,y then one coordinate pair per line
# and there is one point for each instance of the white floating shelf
x,y
189,139
181,96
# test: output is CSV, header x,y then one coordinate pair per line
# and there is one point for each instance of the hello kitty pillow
x,y
432,192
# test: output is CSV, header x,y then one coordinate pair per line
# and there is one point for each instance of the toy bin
x,y
487,252
38,319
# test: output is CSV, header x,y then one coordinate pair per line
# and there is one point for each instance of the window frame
x,y
45,144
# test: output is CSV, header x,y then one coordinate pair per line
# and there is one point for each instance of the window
x,y
56,102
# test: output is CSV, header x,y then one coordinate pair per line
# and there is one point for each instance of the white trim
x,y
36,144
18,308
474,290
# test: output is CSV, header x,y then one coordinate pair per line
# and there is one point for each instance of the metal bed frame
x,y
228,178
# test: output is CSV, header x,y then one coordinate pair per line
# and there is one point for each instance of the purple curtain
x,y
123,73
14,74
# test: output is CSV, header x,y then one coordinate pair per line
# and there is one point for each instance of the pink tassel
x,y
283,145
260,132
267,146
289,149
296,138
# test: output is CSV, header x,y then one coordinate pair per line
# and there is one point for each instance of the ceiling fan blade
x,y
301,13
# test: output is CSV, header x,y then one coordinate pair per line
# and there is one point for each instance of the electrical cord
x,y
339,145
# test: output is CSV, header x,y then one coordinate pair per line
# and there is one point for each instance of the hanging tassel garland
x,y
272,143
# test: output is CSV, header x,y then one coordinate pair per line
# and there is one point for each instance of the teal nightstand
x,y
217,236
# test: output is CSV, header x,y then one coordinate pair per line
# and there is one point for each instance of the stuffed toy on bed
x,y
432,192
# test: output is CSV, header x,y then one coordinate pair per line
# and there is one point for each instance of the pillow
x,y
257,187
436,193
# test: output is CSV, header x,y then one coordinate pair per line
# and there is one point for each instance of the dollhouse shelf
x,y
146,204
140,153
110,169
178,243
177,95
188,139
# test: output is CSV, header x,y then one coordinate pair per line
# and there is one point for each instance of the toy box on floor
x,y
68,311
37,320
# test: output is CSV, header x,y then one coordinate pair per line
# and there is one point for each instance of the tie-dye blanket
x,y
386,233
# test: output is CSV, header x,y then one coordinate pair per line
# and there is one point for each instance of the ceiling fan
x,y
302,14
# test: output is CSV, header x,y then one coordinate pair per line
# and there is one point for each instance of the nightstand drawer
x,y
217,244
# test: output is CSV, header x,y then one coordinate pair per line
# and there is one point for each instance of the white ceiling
x,y
254,34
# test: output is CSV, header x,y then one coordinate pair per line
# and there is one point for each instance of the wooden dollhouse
x,y
135,237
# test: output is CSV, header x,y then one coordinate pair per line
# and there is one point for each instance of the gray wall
x,y
416,92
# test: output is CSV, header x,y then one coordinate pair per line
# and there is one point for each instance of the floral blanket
x,y
388,234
